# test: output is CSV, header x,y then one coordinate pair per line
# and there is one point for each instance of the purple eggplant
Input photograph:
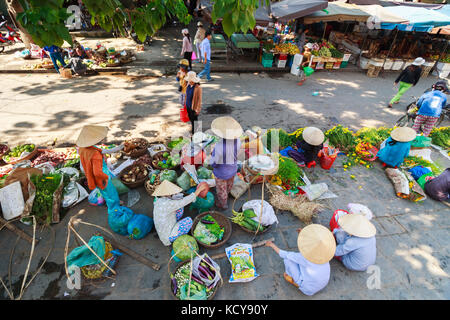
x,y
211,286
205,271
207,221
197,279
208,260
174,284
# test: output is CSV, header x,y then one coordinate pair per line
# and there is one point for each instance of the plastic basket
x,y
344,64
267,56
267,63
325,160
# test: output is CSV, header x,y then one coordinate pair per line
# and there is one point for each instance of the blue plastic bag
x,y
139,226
95,198
82,256
119,218
202,204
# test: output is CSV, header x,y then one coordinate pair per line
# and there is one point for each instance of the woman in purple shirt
x,y
224,157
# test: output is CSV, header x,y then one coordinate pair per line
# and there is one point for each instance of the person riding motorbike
x,y
430,107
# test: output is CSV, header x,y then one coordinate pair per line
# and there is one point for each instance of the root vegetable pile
x,y
55,158
134,174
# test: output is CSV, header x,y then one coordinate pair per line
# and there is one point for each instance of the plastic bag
x,y
215,269
119,218
202,234
184,181
82,256
360,209
314,191
120,187
95,198
240,256
139,226
239,187
203,204
201,295
184,247
133,198
268,214
421,142
327,156
170,175
204,173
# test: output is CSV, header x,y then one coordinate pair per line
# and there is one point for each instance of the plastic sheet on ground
x,y
133,197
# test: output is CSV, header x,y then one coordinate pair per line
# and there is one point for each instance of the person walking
x,y
407,79
206,57
224,157
199,36
430,107
186,50
54,52
193,101
181,74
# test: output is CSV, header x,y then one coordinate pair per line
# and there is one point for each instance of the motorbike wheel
x,y
402,121
441,118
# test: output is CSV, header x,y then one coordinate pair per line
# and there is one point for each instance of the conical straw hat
x,y
316,243
312,135
91,135
226,128
166,188
403,134
357,225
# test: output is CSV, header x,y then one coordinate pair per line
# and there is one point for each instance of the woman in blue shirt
x,y
431,104
396,148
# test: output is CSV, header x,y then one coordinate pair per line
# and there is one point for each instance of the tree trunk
x,y
14,7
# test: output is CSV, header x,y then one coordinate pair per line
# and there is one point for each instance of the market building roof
x,y
420,19
286,10
338,11
382,14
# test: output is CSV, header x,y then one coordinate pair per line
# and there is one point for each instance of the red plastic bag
x,y
326,159
184,117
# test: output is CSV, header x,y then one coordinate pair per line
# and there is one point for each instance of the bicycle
x,y
408,119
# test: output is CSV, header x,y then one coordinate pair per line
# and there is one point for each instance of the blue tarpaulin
x,y
420,19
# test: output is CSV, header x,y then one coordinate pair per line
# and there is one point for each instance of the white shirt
x,y
310,277
164,216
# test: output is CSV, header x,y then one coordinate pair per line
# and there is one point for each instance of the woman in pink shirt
x,y
186,50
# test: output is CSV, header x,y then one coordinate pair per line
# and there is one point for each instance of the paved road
x,y
412,239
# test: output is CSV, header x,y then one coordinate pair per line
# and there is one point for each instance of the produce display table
x,y
219,47
244,41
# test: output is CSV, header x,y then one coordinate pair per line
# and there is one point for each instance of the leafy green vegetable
x,y
46,185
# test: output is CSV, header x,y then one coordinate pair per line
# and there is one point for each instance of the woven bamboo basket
x,y
171,285
28,157
150,188
222,220
94,272
135,184
7,150
157,157
136,153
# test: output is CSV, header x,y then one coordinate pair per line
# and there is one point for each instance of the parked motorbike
x,y
8,36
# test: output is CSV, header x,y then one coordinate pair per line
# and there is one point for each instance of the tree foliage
x,y
45,19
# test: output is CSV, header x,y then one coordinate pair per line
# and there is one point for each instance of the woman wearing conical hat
x,y
309,269
356,244
306,151
396,148
168,208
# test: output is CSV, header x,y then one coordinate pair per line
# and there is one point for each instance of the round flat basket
x,y
251,231
157,157
171,285
136,183
222,220
28,157
6,151
136,153
153,143
94,272
150,188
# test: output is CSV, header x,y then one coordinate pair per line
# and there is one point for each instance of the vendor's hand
x,y
269,244
298,230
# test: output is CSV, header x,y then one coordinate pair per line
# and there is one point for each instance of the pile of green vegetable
x,y
46,186
374,136
208,231
441,137
245,220
16,152
290,173
336,53
165,161
177,143
325,52
284,139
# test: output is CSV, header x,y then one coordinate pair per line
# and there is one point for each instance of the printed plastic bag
x,y
212,268
202,234
119,218
139,226
240,256
95,198
184,181
268,214
360,209
170,175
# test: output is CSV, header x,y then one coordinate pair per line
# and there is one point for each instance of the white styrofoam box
x,y
398,64
363,63
346,56
281,63
376,62
388,64
442,66
429,63
441,74
295,70
11,199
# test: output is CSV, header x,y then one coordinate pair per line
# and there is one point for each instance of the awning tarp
x,y
286,10
383,15
338,11
420,19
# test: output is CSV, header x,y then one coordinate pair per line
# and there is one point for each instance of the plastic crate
x,y
329,65
267,56
344,64
267,63
282,56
